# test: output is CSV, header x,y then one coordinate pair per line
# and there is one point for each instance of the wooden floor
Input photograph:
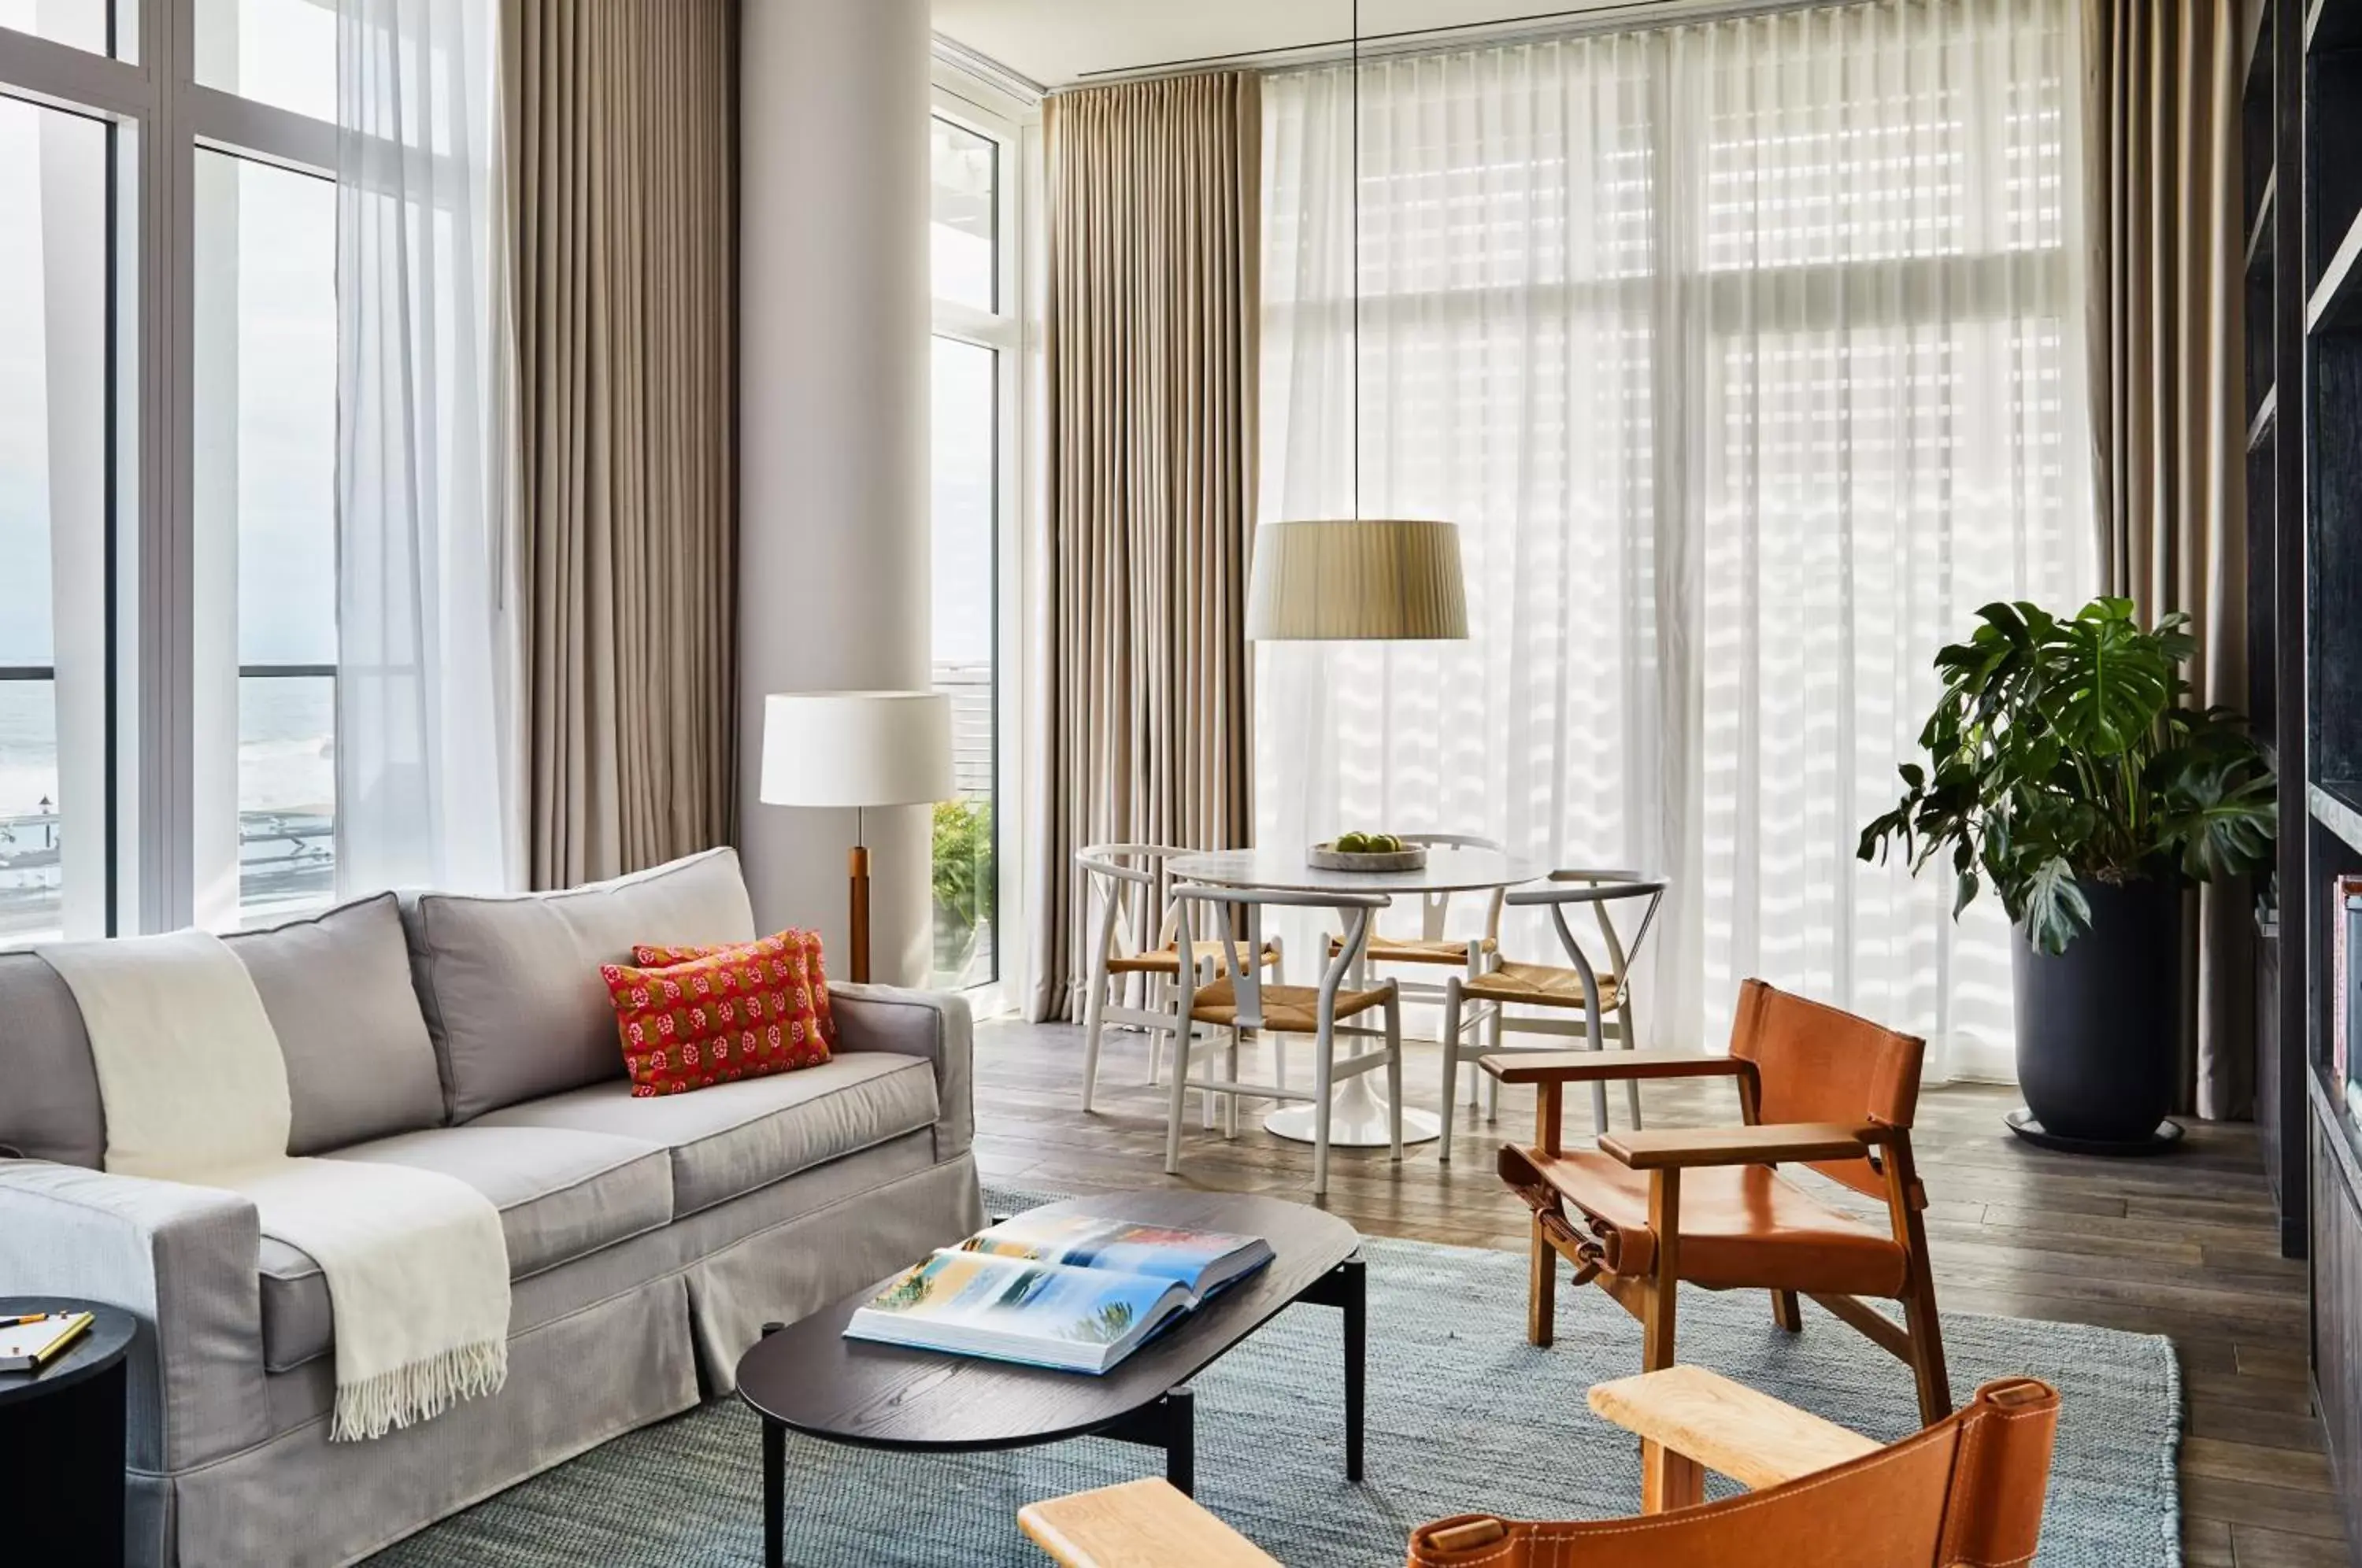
x,y
2182,1245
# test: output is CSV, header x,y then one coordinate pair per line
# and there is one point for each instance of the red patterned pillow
x,y
743,1012
650,956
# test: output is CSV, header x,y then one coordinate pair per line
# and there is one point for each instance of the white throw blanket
x,y
195,1091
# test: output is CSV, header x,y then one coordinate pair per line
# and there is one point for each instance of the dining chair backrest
x,y
1222,913
1433,908
1601,889
1133,892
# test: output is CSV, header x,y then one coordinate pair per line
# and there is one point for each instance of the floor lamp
x,y
858,749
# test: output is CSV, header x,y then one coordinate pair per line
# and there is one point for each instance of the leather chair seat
x,y
1741,1226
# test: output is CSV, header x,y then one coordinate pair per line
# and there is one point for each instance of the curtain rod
x,y
1578,22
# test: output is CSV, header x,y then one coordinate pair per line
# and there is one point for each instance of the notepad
x,y
29,1347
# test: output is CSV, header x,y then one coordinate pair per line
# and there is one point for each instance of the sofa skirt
x,y
609,1342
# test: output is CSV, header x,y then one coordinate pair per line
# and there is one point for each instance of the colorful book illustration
x,y
29,1347
1075,1292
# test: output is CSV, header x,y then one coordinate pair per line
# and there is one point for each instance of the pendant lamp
x,y
1357,579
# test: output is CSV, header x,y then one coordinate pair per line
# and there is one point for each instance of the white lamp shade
x,y
1357,579
857,748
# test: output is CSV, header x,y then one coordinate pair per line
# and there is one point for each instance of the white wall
x,y
832,429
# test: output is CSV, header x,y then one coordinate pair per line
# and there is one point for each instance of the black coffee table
x,y
809,1376
62,1442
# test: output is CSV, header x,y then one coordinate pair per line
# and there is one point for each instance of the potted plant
x,y
2066,767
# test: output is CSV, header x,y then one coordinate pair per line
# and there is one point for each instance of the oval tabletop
x,y
810,1377
1447,870
101,1346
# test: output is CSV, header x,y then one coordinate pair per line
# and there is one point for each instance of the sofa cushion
x,y
561,1195
733,1138
336,989
336,986
51,1110
511,984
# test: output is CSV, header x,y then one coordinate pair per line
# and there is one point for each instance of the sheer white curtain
x,y
1741,351
425,759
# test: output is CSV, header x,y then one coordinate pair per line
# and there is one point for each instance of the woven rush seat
x,y
1538,984
1166,960
1389,950
1293,1008
1740,1225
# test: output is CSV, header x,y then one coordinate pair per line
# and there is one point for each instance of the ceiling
x,y
1060,42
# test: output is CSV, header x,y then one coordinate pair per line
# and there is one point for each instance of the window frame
x,y
1010,332
171,832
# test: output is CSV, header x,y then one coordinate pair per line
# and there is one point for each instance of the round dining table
x,y
1358,1115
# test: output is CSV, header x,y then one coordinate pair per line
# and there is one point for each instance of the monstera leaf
x,y
2107,682
2055,906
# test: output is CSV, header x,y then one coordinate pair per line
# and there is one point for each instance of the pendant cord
x,y
1356,259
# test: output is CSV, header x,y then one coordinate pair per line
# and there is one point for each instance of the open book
x,y
1072,1291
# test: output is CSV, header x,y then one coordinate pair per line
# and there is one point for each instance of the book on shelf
x,y
2346,907
29,1347
1077,1292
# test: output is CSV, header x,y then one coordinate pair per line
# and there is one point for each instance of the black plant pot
x,y
2099,1026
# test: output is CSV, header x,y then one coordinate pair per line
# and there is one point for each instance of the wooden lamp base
x,y
857,866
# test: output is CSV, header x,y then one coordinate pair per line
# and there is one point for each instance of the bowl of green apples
x,y
1367,852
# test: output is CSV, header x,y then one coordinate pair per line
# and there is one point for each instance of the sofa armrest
x,y
182,1260
933,1024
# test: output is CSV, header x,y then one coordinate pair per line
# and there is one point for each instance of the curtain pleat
x,y
626,230
1154,252
2161,100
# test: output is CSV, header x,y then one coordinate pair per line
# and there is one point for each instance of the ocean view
x,y
286,797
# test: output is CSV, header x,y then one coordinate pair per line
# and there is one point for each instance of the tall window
x,y
1743,354
266,363
167,448
54,273
974,359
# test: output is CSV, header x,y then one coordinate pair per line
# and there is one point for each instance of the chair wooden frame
x,y
1596,1024
1239,1001
1134,937
1652,1297
1973,1482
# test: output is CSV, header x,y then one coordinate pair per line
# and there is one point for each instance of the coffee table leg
x,y
1181,1441
774,1465
1354,1301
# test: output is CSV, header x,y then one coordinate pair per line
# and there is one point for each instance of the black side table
x,y
61,1442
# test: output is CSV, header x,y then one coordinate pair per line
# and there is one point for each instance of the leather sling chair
x,y
1965,1492
1647,1210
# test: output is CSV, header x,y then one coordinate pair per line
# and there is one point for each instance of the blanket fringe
x,y
391,1401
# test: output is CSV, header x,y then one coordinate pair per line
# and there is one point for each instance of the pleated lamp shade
x,y
1360,580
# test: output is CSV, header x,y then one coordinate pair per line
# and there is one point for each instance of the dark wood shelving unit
x,y
2301,118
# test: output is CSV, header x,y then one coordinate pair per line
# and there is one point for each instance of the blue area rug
x,y
1459,1407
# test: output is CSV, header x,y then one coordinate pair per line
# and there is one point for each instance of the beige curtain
x,y
1154,250
2162,89
623,121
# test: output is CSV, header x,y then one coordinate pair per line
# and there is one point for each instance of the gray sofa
x,y
648,1239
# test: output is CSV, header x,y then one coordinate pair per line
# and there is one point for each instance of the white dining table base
x,y
1357,1118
